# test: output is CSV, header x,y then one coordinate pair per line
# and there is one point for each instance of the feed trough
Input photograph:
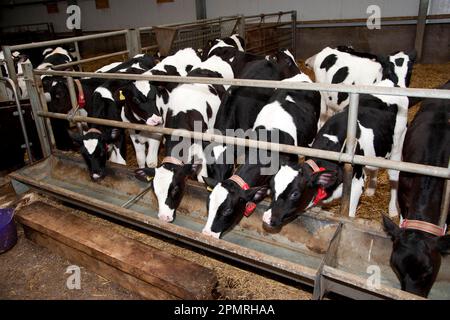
x,y
316,249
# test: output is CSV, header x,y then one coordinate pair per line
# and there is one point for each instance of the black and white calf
x,y
100,144
153,98
18,59
289,117
241,105
419,242
300,186
215,47
191,107
111,94
347,66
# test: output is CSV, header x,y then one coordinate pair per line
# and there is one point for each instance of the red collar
x,y
321,193
80,99
424,226
249,206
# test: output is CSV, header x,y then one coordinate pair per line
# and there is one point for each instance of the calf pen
x,y
329,253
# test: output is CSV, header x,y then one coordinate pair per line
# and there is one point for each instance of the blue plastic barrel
x,y
8,231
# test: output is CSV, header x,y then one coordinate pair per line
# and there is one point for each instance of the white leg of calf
x,y
152,153
372,181
323,113
356,191
396,155
139,149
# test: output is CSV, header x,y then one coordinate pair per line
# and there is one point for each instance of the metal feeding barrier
x,y
330,253
265,33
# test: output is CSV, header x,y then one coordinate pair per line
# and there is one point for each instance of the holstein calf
x,y
152,98
191,107
347,66
289,117
419,242
300,186
241,105
101,143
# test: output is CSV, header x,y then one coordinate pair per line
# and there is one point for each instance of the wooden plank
x,y
177,276
105,270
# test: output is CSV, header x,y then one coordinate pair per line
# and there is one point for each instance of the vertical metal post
x,y
349,149
73,100
294,33
36,106
3,91
445,201
420,31
200,8
10,64
242,26
133,39
40,88
78,55
22,121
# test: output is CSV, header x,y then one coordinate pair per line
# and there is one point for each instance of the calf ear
x,y
210,183
323,179
443,244
145,174
76,137
390,227
256,194
412,55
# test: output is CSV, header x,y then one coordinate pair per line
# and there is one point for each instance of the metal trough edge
x,y
224,248
323,279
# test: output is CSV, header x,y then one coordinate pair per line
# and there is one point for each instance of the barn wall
x,y
323,9
384,41
121,14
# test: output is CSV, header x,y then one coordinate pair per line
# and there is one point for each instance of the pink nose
x,y
165,218
154,120
208,232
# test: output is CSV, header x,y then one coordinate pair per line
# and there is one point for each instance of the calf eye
x,y
295,195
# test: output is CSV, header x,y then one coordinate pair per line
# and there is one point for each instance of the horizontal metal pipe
x,y
309,152
74,63
67,40
270,25
155,46
411,92
282,13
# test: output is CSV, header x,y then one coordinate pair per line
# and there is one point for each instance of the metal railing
x,y
131,36
348,157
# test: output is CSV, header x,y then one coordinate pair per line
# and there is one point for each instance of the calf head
x,y
169,183
286,63
140,98
398,67
416,257
58,97
295,188
95,149
227,204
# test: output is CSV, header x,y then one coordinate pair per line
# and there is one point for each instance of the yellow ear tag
x,y
121,96
209,189
149,178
